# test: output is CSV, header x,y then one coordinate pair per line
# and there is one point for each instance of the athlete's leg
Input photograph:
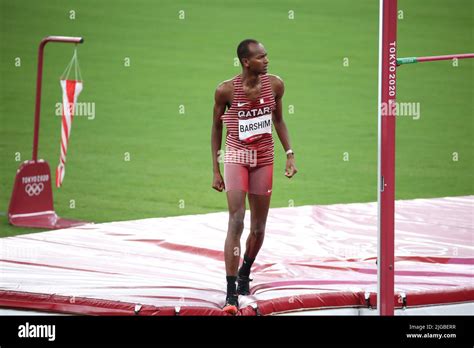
x,y
236,178
260,188
259,206
236,203
236,183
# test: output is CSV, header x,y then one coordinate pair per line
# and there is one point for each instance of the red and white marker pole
x,y
386,156
388,63
31,202
39,79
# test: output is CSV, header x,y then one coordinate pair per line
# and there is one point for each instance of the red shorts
x,y
254,180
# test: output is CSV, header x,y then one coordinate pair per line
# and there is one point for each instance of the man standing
x,y
248,105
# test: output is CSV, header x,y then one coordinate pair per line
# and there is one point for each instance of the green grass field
x,y
177,62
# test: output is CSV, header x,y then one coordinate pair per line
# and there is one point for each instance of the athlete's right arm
x,y
221,101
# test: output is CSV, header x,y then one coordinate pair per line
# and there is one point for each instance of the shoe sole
x,y
230,309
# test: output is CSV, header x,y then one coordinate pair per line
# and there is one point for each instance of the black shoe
x,y
243,287
231,304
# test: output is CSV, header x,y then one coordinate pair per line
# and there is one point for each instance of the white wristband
x,y
290,151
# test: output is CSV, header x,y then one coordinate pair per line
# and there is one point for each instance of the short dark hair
x,y
243,48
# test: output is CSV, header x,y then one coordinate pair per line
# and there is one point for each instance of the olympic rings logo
x,y
34,189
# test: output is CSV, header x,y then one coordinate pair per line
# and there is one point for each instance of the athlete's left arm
x,y
278,88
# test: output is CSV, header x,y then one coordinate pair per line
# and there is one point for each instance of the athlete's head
x,y
252,56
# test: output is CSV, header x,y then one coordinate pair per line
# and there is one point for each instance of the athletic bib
x,y
254,128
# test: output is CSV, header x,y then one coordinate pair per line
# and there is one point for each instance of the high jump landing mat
x,y
315,260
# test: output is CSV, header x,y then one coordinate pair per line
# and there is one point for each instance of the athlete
x,y
249,105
